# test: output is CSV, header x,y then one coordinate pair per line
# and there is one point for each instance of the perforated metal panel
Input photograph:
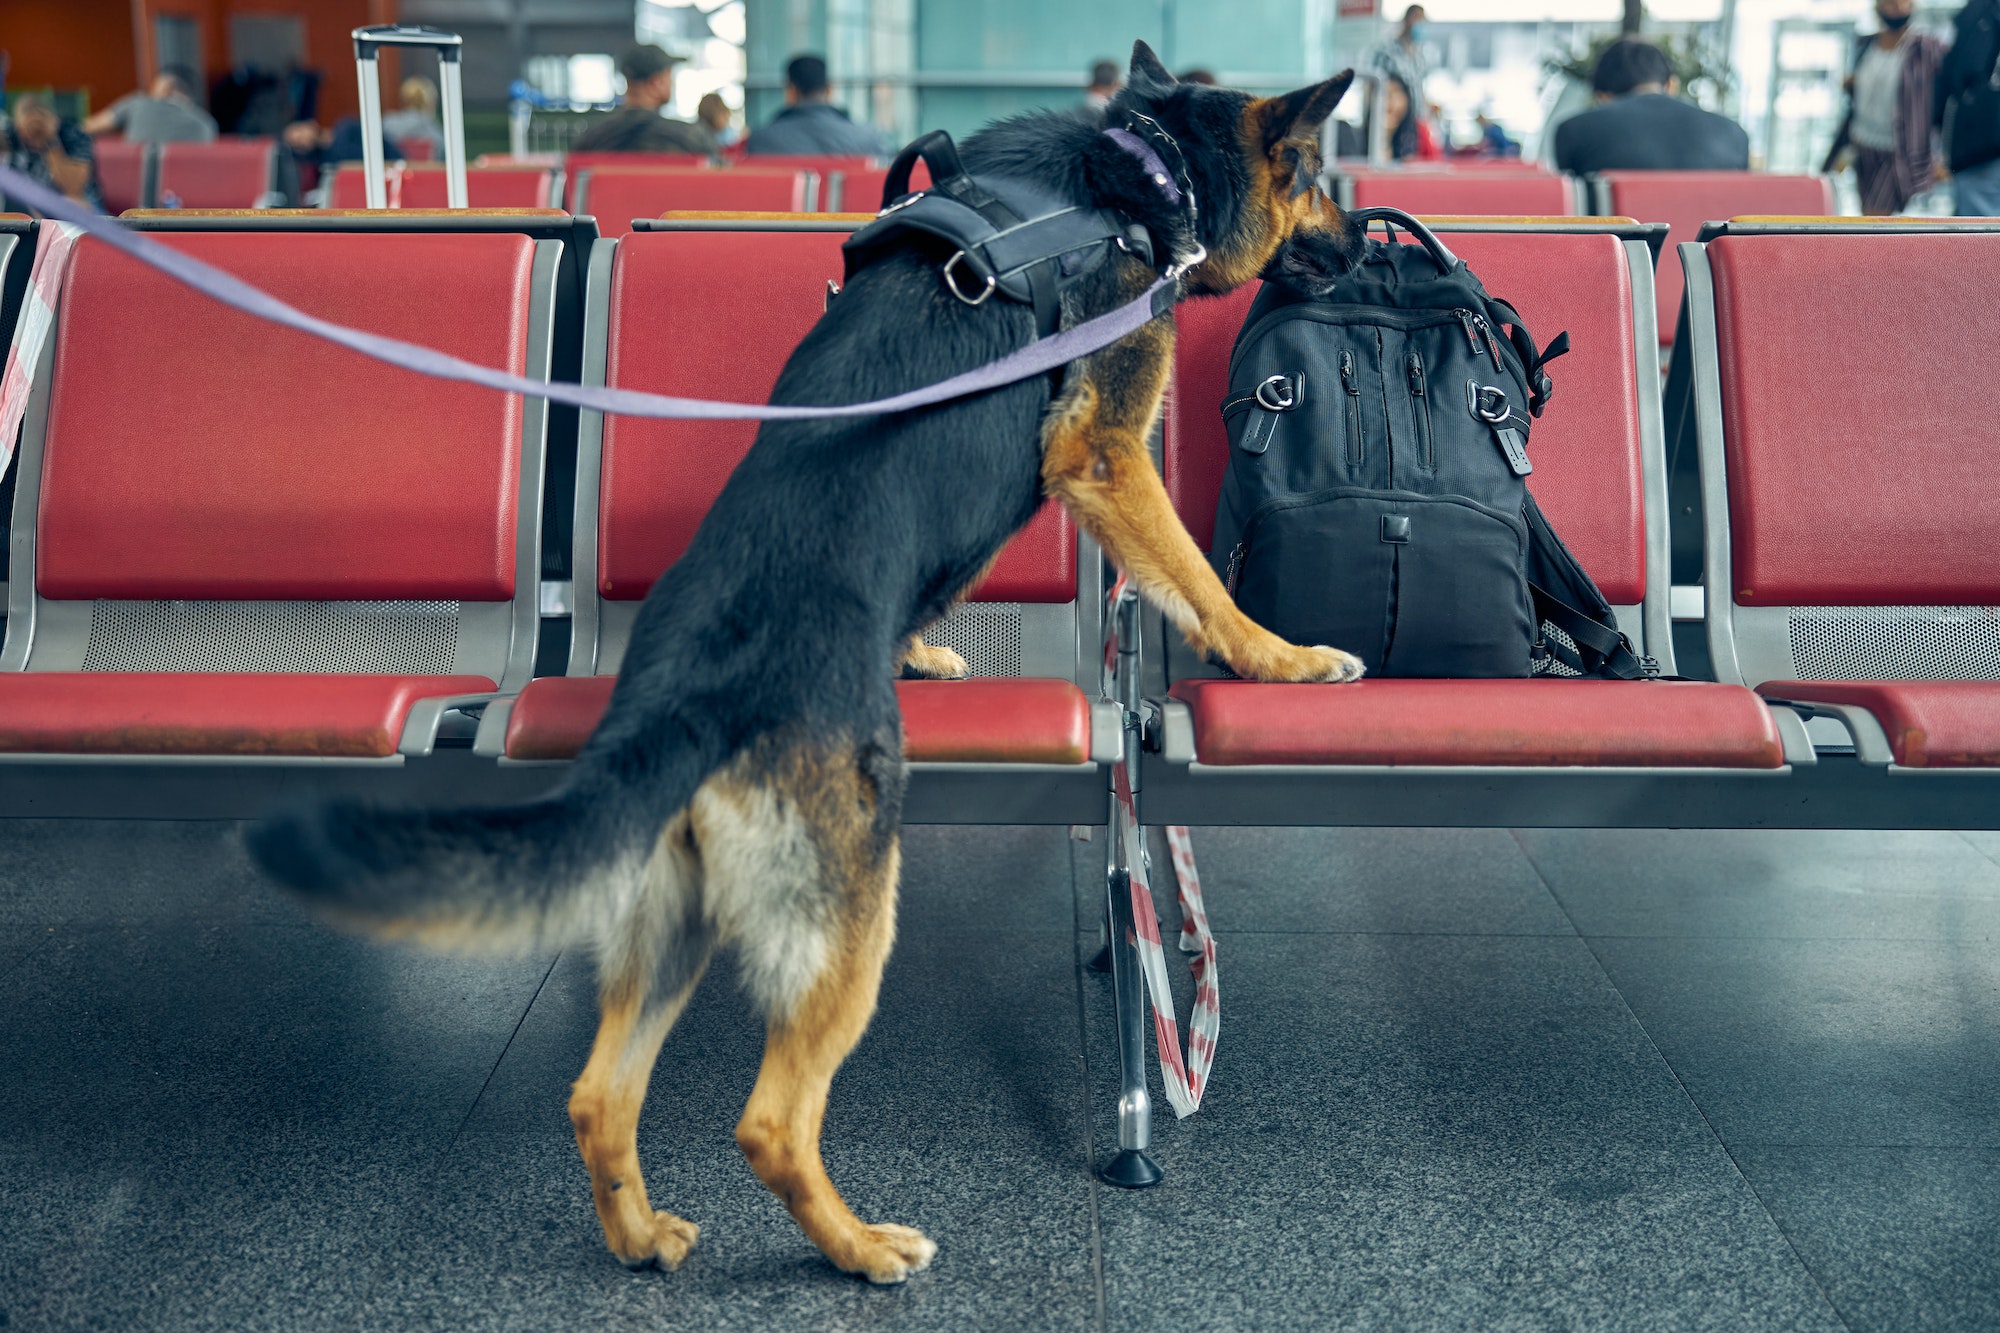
x,y
986,634
359,638
1897,643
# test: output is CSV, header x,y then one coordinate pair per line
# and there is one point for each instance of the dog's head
x,y
1254,163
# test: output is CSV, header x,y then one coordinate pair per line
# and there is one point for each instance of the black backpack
x,y
1376,500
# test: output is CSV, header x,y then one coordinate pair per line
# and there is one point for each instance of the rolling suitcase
x,y
368,43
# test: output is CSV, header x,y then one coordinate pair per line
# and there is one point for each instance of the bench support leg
x,y
1132,1167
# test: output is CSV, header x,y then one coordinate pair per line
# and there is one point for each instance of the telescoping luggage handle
x,y
367,44
1446,260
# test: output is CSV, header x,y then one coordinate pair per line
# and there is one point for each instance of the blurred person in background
x,y
1410,137
637,125
1201,76
314,144
417,119
1640,125
1493,139
165,112
1105,81
1402,57
1887,130
713,114
810,124
50,150
1968,107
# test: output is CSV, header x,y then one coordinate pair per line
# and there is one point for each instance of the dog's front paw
x,y
887,1253
1318,663
665,1244
932,662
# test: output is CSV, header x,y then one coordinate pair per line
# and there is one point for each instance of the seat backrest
x,y
574,164
1493,192
425,187
121,173
1686,199
198,467
1589,449
859,189
228,173
732,305
1862,503
616,195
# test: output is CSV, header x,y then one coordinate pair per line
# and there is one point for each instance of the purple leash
x,y
1037,358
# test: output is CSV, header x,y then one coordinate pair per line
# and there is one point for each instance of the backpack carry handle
x,y
1446,260
939,153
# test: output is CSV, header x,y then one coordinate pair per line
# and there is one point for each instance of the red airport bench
x,y
228,173
859,189
1686,199
246,560
617,195
423,186
1446,191
1021,742
125,172
1852,553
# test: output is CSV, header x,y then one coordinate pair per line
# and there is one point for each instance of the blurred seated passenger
x,y
165,113
713,114
1411,138
1888,124
1640,125
50,150
1493,140
1204,77
417,120
637,125
1105,81
314,143
810,124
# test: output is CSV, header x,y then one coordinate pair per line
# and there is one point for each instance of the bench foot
x,y
1131,1169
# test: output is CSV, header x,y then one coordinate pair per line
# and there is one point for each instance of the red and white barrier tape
x,y
31,334
1185,1078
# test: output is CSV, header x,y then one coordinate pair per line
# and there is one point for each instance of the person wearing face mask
x,y
1402,58
1888,125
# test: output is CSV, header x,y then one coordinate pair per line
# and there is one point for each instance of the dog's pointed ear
x,y
1148,77
1300,113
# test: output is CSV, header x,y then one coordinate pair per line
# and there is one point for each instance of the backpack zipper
x,y
1235,567
1426,447
1350,380
1492,339
1470,323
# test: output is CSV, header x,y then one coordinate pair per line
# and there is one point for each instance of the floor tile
x,y
17,944
985,877
79,872
1769,884
1435,1132
1821,1042
1416,881
179,1028
961,1113
1900,1238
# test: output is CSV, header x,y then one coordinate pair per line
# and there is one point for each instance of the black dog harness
x,y
1009,240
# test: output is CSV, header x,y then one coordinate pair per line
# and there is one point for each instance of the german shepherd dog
x,y
745,786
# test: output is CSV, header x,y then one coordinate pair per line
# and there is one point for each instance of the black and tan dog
x,y
744,789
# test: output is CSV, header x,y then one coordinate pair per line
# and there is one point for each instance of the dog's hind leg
x,y
802,860
649,968
1095,460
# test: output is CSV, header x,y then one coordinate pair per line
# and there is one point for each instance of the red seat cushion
x,y
104,712
616,195
994,720
1930,723
1477,193
228,173
121,171
1516,723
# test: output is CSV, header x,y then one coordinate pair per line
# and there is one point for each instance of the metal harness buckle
x,y
951,281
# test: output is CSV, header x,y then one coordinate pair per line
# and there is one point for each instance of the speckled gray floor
x,y
1468,1080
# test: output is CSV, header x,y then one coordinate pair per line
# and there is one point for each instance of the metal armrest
x,y
1871,743
1107,732
1798,744
491,740
420,730
1170,730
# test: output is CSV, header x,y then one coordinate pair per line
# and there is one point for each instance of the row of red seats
x,y
227,173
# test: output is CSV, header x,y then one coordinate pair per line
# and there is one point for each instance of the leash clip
x,y
1186,262
951,281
